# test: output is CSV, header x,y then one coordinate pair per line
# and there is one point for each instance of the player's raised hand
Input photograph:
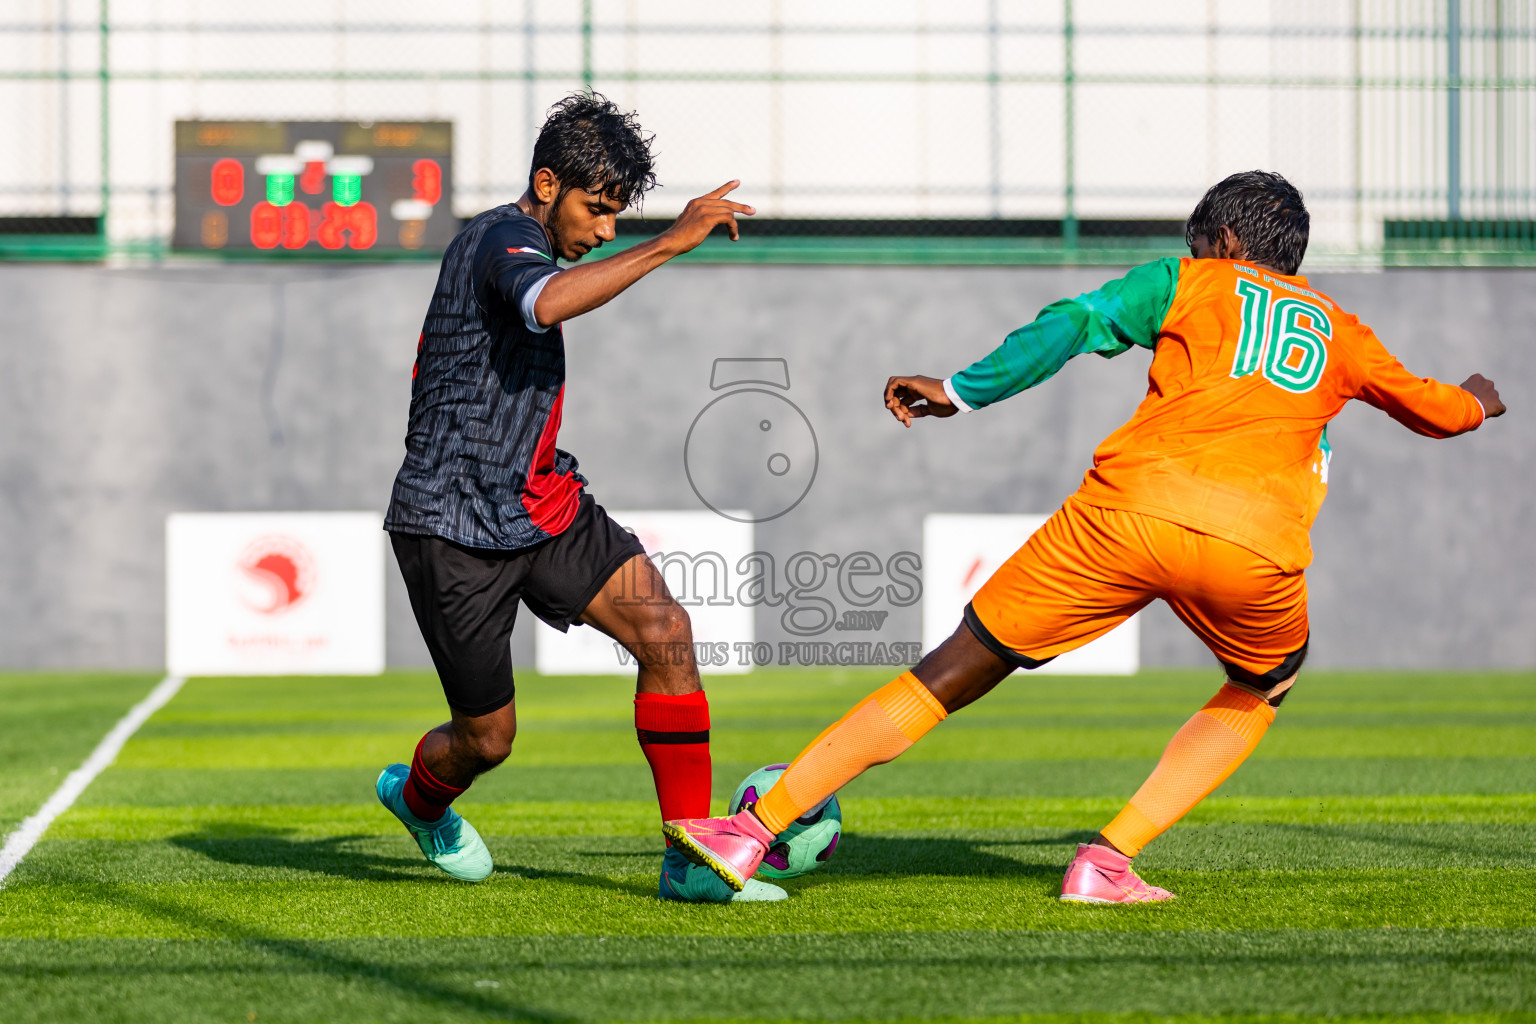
x,y
911,397
703,214
1482,389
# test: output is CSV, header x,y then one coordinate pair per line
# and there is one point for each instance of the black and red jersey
x,y
481,467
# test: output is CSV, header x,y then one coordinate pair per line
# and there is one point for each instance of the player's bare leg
x,y
961,670
636,609
466,746
878,729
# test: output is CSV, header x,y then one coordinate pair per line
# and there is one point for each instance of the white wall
x,y
136,392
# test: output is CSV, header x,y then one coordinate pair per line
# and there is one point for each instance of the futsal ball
x,y
810,839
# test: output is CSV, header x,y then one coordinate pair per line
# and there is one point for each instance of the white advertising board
x,y
698,554
960,552
274,593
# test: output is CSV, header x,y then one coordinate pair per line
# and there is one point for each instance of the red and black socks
x,y
427,796
674,736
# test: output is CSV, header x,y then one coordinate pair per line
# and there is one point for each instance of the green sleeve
x,y
1125,312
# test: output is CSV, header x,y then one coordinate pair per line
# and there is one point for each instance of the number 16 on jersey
x,y
1285,339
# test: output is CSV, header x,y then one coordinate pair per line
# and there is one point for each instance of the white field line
x,y
20,842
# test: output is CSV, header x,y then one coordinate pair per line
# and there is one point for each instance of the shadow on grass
x,y
601,882
412,982
273,848
861,854
335,856
1458,844
331,856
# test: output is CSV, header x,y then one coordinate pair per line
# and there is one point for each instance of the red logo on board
x,y
276,573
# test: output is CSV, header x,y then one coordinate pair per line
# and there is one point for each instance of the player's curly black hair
x,y
1264,211
590,144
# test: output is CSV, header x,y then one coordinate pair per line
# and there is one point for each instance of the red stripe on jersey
x,y
550,497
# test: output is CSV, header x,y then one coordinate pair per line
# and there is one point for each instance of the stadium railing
x,y
1412,128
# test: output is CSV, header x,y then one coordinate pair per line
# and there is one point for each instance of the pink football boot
x,y
1099,874
730,847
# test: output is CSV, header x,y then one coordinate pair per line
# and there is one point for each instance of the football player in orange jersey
x,y
1203,499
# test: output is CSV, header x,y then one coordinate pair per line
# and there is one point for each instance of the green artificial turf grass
x,y
899,976
1377,857
277,854
896,975
638,818
385,893
560,747
1110,779
50,723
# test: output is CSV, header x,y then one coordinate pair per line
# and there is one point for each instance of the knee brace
x,y
1008,655
1271,686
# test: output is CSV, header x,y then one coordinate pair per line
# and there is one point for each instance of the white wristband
x,y
954,396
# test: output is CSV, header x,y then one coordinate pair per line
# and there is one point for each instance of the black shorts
x,y
465,599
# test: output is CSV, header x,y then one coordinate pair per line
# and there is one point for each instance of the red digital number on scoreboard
x,y
228,184
271,225
350,226
359,223
426,181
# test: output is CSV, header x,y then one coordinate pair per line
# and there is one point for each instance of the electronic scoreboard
x,y
314,186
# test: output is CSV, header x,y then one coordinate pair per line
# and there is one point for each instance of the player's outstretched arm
x,y
909,398
581,289
1120,314
1424,405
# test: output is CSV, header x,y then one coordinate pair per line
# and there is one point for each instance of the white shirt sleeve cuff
x,y
530,297
1480,409
954,396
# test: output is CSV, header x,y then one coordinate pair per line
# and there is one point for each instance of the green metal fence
x,y
1409,124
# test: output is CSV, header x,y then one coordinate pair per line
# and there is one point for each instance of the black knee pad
x,y
1265,683
996,646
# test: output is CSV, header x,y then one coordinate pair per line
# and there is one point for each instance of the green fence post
x,y
994,117
1069,189
106,124
586,45
1453,112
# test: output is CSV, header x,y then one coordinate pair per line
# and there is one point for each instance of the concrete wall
x,y
136,392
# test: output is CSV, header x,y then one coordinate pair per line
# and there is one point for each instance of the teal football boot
x,y
682,880
450,842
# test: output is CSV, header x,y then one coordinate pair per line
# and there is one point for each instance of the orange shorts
x,y
1088,569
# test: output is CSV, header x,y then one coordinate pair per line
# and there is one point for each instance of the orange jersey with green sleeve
x,y
1250,367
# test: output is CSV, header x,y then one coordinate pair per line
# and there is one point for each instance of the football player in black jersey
x,y
488,513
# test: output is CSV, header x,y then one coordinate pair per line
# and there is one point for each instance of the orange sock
x,y
1199,758
878,729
